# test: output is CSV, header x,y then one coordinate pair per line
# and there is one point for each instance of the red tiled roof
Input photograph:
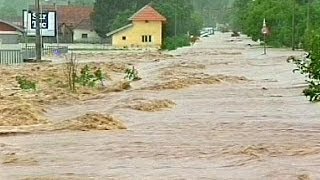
x,y
73,16
147,13
6,26
85,24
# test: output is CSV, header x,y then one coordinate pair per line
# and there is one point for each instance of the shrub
x,y
132,74
89,78
172,43
25,84
310,67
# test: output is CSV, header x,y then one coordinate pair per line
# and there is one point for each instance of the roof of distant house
x,y
74,16
147,13
84,24
17,28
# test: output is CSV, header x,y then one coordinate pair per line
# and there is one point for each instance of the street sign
x,y
43,21
47,23
264,30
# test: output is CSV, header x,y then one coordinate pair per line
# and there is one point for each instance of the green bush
x,y
132,74
89,78
311,67
25,84
172,43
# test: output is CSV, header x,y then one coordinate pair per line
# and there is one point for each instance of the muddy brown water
x,y
260,129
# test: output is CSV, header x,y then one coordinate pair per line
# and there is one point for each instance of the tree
x,y
213,11
122,19
8,12
104,12
107,11
180,16
248,16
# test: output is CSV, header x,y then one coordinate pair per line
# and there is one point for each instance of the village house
x,y
75,24
144,31
9,33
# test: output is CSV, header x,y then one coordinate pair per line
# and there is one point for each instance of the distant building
x,y
75,24
9,33
144,31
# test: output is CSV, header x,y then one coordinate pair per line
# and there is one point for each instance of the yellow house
x,y
145,30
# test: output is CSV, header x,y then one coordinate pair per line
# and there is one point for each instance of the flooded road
x,y
263,128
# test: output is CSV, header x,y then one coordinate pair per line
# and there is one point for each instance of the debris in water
x,y
91,121
151,105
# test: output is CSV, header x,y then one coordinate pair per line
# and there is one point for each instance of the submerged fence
x,y
10,57
18,56
46,50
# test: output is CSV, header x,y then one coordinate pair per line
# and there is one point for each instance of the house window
x,y
84,36
146,38
124,38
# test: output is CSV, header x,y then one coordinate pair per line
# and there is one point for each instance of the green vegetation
x,y
115,11
25,84
213,11
172,43
288,20
311,67
90,78
132,74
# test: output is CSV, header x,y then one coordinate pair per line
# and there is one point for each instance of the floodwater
x,y
260,129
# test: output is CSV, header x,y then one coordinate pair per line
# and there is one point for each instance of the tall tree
x,y
180,16
104,13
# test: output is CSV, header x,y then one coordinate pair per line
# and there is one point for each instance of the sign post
x,y
264,31
36,24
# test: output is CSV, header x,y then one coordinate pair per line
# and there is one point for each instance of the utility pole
x,y
175,18
38,36
293,25
57,22
308,14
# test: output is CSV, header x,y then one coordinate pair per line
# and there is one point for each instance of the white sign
x,y
264,30
47,23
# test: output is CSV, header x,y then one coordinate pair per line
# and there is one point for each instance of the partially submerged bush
x,y
310,67
25,84
89,78
313,91
132,74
